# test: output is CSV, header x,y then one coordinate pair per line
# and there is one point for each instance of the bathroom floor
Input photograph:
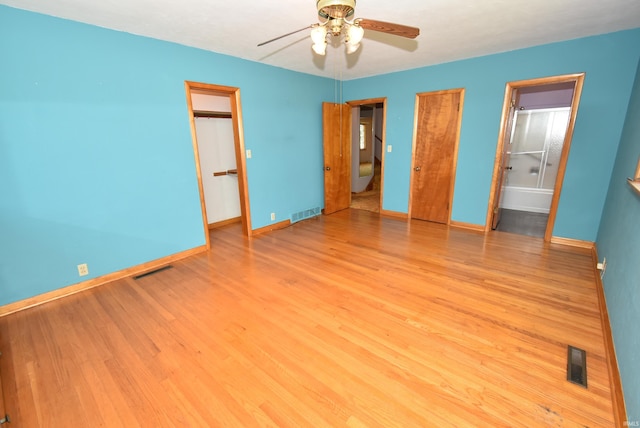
x,y
523,222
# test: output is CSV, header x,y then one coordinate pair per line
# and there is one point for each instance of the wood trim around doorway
x,y
383,143
238,137
578,80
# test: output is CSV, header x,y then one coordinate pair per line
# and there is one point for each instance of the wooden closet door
x,y
435,155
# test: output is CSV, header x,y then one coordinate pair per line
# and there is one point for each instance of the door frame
x,y
383,101
578,80
238,139
414,143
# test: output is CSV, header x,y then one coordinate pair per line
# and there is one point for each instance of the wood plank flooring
x,y
344,320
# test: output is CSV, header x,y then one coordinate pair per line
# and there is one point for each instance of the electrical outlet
x,y
602,267
83,269
273,216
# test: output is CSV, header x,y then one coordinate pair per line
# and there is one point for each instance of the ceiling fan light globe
x,y
351,48
319,48
319,34
354,34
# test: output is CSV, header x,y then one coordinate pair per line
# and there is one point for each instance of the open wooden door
x,y
336,123
437,130
504,162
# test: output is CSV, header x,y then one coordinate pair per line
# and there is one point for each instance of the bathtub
x,y
526,199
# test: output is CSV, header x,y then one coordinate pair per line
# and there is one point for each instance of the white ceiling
x,y
450,29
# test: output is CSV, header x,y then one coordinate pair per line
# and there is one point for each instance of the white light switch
x,y
389,147
248,154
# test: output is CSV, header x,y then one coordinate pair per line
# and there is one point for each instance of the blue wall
x,y
609,62
96,157
619,241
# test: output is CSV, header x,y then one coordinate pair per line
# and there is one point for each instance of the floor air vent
x,y
577,366
305,214
151,272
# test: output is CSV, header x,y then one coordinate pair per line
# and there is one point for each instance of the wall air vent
x,y
305,214
142,275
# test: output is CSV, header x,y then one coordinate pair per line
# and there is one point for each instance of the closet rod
x,y
214,114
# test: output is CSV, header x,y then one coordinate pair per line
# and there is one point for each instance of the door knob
x,y
328,168
417,168
510,168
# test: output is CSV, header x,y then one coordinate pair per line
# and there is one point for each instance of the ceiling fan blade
x,y
285,35
389,27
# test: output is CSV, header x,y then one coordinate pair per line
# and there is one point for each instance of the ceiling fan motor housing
x,y
335,9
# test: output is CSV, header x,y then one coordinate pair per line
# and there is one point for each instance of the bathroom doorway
x,y
536,131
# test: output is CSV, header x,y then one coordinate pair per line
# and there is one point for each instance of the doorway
x,y
341,151
367,155
215,114
435,153
533,146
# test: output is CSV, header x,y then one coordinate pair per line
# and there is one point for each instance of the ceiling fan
x,y
336,20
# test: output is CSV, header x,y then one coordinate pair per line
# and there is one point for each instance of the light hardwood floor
x,y
343,320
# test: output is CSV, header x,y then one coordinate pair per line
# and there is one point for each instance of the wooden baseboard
x,y
394,214
572,242
617,396
468,226
223,223
94,282
271,227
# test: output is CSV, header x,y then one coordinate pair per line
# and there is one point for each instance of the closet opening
x,y
218,144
